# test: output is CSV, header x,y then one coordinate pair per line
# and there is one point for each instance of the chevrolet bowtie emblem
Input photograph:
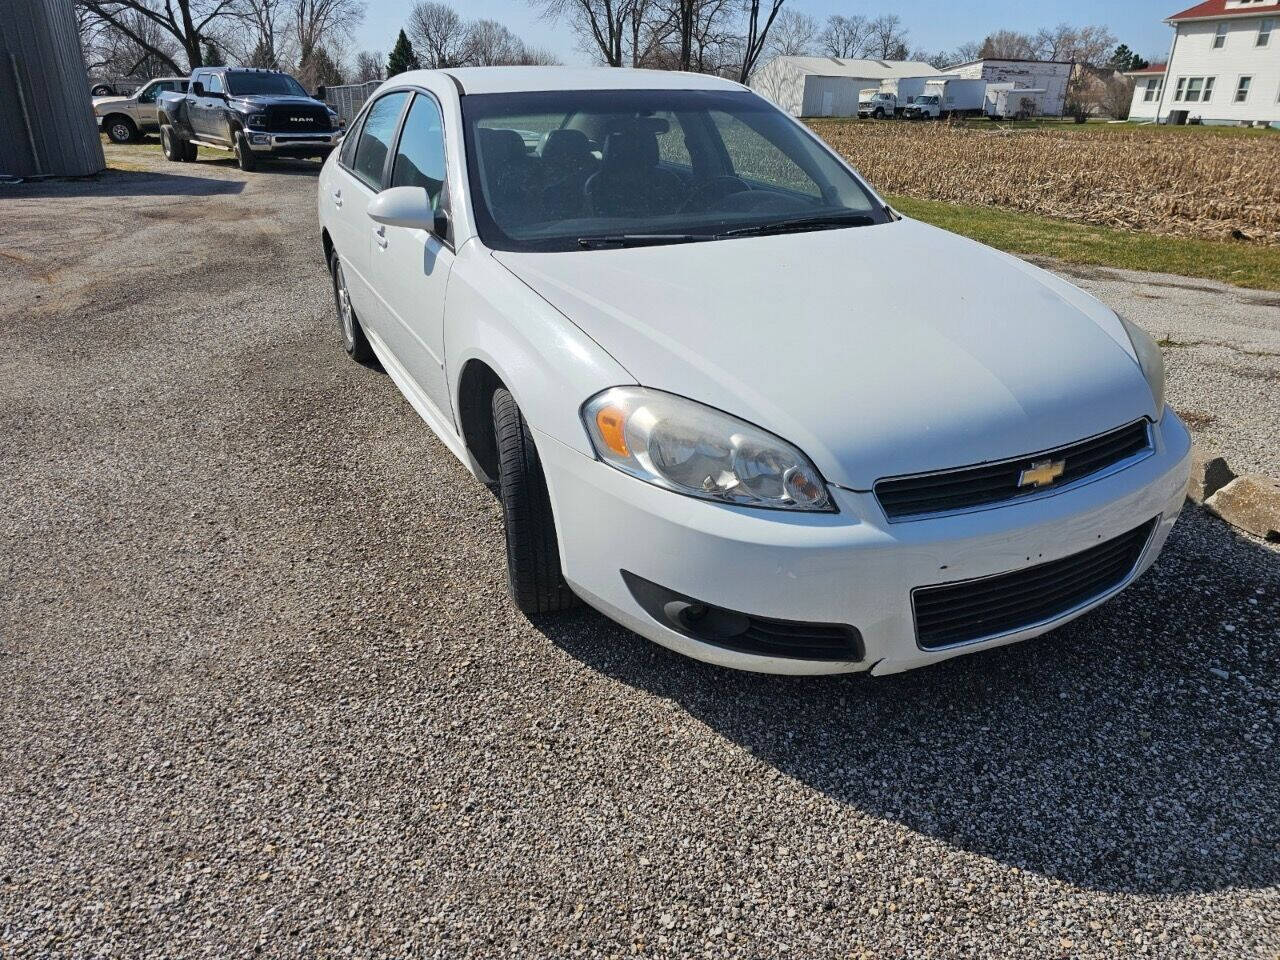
x,y
1042,473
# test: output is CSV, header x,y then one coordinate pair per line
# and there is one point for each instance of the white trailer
x,y
945,96
1008,102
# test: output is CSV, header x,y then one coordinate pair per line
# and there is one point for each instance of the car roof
x,y
521,79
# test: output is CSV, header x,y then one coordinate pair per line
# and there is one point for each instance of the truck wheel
x,y
244,156
172,151
353,339
101,90
120,129
879,114
533,554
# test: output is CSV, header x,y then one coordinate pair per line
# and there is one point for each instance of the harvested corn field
x,y
1187,183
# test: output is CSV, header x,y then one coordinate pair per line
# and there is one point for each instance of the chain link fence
x,y
349,98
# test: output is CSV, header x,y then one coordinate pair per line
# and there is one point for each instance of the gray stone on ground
x,y
1251,503
1209,474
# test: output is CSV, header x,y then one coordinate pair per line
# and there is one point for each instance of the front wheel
x,y
244,156
534,576
121,129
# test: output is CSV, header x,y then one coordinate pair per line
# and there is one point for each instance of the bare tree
x,y
967,52
490,44
115,54
941,59
185,22
794,34
845,37
369,65
602,24
888,39
317,23
262,36
1010,45
759,21
440,37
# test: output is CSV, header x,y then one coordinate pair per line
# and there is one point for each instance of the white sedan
x,y
728,396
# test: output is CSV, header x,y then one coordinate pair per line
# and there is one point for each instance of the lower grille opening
x,y
744,632
975,609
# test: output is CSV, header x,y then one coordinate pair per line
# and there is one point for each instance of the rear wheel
x,y
244,156
353,339
533,554
101,90
120,129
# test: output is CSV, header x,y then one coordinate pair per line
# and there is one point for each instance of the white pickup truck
x,y
124,119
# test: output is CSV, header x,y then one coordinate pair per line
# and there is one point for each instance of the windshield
x,y
553,170
264,85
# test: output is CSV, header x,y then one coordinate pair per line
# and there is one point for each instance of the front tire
x,y
534,577
244,156
353,339
120,129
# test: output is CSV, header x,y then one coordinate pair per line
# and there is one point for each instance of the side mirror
x,y
403,207
197,89
320,92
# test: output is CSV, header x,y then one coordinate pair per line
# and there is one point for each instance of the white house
x,y
1147,86
828,86
1051,76
1224,66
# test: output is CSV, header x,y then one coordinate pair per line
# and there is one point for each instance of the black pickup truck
x,y
256,114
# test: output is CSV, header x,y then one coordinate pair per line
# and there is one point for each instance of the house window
x,y
1182,88
1264,31
1153,89
1208,89
1242,89
1194,86
1220,38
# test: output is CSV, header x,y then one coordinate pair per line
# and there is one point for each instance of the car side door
x,y
214,112
410,267
358,176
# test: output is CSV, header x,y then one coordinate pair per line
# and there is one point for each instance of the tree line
x,y
310,38
731,38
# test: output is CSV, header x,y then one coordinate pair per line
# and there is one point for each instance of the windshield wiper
x,y
640,239
825,221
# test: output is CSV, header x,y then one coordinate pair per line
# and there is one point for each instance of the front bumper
x,y
853,567
292,144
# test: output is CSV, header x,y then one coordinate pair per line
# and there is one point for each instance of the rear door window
x,y
375,139
214,83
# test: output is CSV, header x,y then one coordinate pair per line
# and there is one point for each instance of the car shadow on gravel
x,y
1134,750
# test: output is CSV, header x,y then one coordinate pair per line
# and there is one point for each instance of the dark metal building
x,y
46,116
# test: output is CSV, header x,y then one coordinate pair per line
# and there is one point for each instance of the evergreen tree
x,y
263,57
1125,60
213,56
402,57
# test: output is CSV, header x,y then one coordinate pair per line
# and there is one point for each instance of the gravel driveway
x,y
261,689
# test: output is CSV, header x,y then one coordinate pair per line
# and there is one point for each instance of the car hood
x,y
99,102
837,341
276,101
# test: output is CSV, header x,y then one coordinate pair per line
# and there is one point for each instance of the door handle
x,y
337,198
380,235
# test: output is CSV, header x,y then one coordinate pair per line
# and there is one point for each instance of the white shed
x,y
828,86
1051,76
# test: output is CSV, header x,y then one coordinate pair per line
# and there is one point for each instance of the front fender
x,y
550,366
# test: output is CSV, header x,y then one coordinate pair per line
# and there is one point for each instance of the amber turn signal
x,y
611,421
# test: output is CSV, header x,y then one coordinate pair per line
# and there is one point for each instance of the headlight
x,y
258,120
698,451
1149,359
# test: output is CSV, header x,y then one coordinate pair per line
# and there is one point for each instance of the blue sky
x,y
933,24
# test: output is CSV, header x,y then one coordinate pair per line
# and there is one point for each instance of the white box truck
x,y
948,96
893,97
